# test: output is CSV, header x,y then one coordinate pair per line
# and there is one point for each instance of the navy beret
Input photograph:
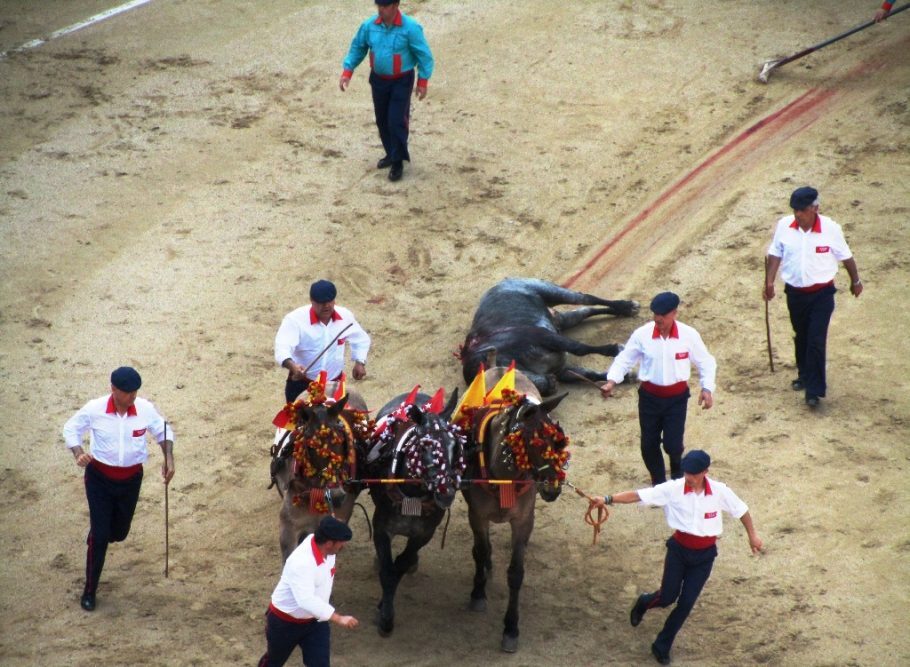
x,y
332,529
126,378
803,197
664,302
322,291
695,462
386,2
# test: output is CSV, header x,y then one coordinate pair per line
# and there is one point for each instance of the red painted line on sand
x,y
782,116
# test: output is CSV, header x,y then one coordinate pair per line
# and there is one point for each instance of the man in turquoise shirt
x,y
396,46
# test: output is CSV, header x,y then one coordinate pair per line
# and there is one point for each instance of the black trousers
x,y
111,505
685,573
662,420
810,315
392,106
314,640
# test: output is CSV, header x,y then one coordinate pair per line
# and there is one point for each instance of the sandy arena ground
x,y
172,179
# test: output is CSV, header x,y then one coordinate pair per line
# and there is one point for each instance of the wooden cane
x,y
768,323
166,522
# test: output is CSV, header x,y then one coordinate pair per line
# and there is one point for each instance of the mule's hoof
x,y
478,604
509,644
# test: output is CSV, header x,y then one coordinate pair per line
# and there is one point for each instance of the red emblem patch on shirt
x,y
139,432
682,355
341,341
822,248
333,571
710,515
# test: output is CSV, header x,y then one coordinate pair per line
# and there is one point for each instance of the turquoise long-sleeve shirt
x,y
394,50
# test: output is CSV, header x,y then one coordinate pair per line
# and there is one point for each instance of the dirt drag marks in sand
x,y
659,227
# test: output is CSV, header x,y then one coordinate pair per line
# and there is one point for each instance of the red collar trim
x,y
396,21
816,226
314,319
317,554
674,332
112,409
689,489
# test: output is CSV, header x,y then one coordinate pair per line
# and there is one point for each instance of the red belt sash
x,y
664,391
284,616
116,473
690,541
817,287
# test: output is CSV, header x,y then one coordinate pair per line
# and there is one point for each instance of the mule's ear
x,y
335,410
415,414
550,404
450,406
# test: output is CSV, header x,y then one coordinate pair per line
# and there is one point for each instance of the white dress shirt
x,y
306,583
808,258
694,513
302,336
665,361
116,440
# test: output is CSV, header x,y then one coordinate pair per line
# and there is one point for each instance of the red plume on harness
x,y
400,413
436,404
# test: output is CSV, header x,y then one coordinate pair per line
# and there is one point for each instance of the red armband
x,y
887,5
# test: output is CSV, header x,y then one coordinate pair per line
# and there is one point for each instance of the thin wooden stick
x,y
166,522
583,378
768,323
325,349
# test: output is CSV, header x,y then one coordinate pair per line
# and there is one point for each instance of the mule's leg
x,y
522,526
482,553
388,579
554,295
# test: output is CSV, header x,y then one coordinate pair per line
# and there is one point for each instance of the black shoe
x,y
811,401
384,163
396,171
797,385
88,601
660,657
638,611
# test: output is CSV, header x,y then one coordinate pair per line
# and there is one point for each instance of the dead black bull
x,y
515,320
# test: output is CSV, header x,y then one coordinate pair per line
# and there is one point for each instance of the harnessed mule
x,y
515,440
314,463
419,458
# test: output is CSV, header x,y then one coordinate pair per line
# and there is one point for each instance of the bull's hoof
x,y
478,604
385,630
509,644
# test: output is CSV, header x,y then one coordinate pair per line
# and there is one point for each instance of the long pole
x,y
166,522
325,349
773,64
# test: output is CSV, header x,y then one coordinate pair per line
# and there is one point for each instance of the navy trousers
x,y
111,505
392,105
685,573
810,314
314,640
662,419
